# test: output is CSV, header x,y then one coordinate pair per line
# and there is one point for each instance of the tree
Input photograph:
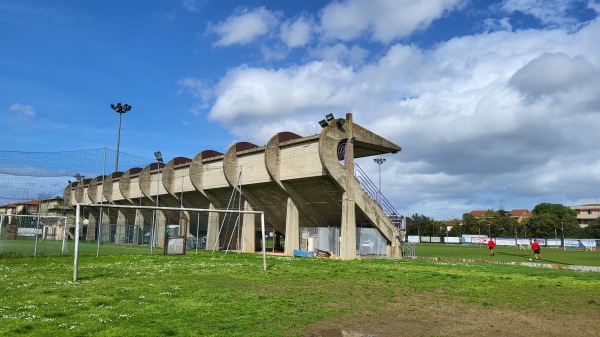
x,y
419,224
470,224
592,230
550,217
562,212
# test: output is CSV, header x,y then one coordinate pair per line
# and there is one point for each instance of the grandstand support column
x,y
92,225
348,225
348,230
120,231
103,230
395,249
212,230
292,229
159,230
248,230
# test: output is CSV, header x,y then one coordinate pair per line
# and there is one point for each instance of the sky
x,y
496,104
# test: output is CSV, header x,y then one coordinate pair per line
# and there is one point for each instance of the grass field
x,y
230,295
570,256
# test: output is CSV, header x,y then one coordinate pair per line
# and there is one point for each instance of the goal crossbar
x,y
78,220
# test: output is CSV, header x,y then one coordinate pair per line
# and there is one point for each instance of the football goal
x,y
171,228
23,234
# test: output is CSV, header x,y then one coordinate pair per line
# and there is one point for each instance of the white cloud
x,y
245,26
381,20
23,110
354,55
498,116
296,33
261,93
492,25
551,74
457,110
549,12
190,5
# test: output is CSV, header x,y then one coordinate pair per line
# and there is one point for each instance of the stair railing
x,y
367,184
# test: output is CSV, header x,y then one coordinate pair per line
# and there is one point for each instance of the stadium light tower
x,y
379,161
120,109
159,160
562,228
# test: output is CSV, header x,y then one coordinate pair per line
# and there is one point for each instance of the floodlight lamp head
x,y
341,122
158,156
329,117
323,123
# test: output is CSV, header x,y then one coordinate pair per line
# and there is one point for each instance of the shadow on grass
x,y
529,257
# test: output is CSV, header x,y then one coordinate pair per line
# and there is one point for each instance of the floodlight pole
x,y
120,109
379,161
562,227
159,160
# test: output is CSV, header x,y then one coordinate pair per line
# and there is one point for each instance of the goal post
x,y
25,234
78,219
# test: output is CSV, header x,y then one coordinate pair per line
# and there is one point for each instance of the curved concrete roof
x,y
125,182
146,179
168,174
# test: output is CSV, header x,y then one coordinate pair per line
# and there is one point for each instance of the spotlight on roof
x,y
158,156
329,117
341,122
323,123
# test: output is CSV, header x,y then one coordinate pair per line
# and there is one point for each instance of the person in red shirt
x,y
491,245
536,250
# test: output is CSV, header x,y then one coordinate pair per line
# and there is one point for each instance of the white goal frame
x,y
78,220
38,217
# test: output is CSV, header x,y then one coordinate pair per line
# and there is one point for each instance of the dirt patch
x,y
415,317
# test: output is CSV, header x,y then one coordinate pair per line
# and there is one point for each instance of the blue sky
x,y
496,104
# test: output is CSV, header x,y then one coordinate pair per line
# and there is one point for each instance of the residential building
x,y
518,214
586,214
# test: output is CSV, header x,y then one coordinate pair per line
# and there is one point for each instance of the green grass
x,y
230,295
26,247
572,256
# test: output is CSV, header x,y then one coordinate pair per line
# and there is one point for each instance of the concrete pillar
x,y
138,235
348,228
248,230
120,232
212,230
91,227
395,249
160,227
292,229
104,230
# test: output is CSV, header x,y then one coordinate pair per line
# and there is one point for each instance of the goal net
x,y
26,235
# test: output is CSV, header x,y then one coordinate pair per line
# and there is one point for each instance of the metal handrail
x,y
375,194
